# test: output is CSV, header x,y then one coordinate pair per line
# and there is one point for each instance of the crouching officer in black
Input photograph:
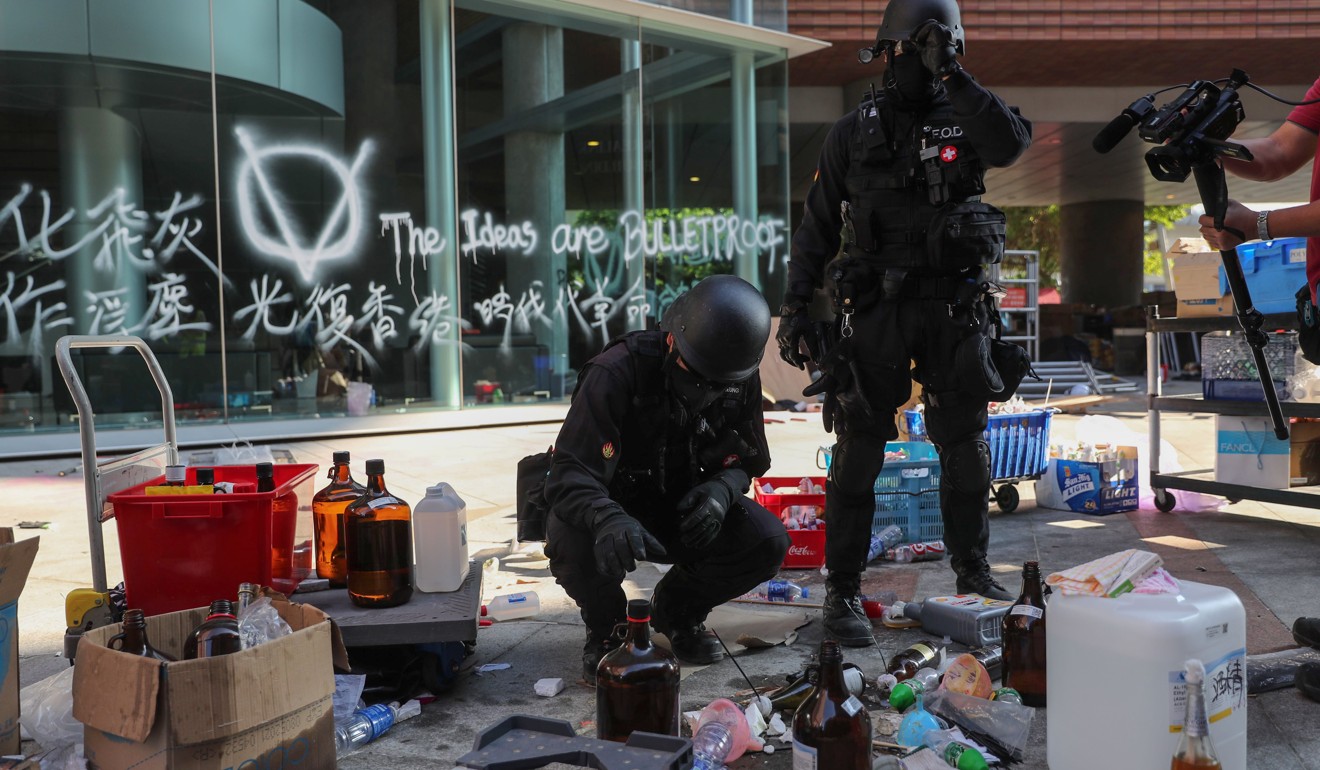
x,y
652,463
899,183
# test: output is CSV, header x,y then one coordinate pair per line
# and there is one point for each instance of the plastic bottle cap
x,y
340,456
375,467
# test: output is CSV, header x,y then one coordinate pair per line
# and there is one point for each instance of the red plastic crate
x,y
807,547
184,551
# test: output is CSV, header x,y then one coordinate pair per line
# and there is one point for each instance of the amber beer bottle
x,y
1195,749
907,663
328,520
1024,640
637,683
133,638
217,635
831,729
378,544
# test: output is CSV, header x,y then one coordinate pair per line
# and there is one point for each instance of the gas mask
x,y
910,78
694,392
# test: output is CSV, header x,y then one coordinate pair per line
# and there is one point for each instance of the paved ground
x,y
1265,553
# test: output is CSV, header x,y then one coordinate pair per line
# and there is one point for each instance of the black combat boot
x,y
844,618
974,578
689,639
598,646
1307,631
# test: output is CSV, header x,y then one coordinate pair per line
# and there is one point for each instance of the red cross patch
x,y
949,154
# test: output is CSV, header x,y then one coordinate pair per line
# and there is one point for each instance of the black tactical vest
x,y
903,166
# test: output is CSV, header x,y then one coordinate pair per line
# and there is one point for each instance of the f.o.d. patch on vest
x,y
607,450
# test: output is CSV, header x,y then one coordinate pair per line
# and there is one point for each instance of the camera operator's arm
x,y
1293,222
1276,156
998,133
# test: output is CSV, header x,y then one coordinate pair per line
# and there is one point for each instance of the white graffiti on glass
x,y
110,310
120,229
376,313
514,317
255,192
433,320
594,311
327,310
43,318
265,297
488,235
423,241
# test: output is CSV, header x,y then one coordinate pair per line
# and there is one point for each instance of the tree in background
x,y
1036,228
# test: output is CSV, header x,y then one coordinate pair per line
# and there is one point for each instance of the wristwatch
x,y
1263,225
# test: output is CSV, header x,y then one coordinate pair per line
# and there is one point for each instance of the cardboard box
x,y
1247,453
270,706
1099,488
15,563
1304,454
1195,271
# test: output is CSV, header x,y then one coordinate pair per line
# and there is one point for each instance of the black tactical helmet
x,y
720,327
904,17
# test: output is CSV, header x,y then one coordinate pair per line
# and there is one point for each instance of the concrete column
x,y
1102,252
100,153
634,158
438,174
534,183
743,137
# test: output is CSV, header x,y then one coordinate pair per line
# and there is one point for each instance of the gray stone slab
x,y
426,618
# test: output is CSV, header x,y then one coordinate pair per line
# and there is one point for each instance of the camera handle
x,y
1210,182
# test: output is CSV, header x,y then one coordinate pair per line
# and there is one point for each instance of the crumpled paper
x,y
1110,576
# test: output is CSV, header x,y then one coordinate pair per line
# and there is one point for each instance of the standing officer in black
x,y
652,463
901,177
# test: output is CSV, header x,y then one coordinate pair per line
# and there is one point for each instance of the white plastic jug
x,y
440,550
1114,669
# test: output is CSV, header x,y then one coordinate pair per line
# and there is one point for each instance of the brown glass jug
x,y
215,636
378,544
831,728
328,507
1024,640
133,638
637,683
904,665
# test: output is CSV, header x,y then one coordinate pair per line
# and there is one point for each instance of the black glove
x,y
620,541
938,51
706,504
794,326
842,385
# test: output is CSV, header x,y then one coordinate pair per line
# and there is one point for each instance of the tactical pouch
x,y
853,283
1308,326
1013,365
965,235
532,506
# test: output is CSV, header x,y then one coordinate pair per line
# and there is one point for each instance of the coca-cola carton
x,y
806,549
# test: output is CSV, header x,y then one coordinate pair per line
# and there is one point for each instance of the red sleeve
x,y
1308,116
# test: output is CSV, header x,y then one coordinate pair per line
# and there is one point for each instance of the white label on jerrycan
x,y
1225,689
440,540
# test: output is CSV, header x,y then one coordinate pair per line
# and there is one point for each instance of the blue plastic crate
x,y
1274,270
907,493
1019,444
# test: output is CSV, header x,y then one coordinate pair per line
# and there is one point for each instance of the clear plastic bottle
x,y
882,541
904,694
366,725
954,753
710,745
721,736
778,591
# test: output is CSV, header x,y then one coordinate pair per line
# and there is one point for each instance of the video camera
x,y
1190,130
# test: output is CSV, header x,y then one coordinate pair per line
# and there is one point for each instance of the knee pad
x,y
856,462
967,466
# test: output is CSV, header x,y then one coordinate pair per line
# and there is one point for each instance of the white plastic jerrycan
x,y
440,540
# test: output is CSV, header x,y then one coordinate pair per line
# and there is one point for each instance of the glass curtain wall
x,y
308,236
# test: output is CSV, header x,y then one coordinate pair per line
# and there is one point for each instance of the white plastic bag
x,y
47,708
260,622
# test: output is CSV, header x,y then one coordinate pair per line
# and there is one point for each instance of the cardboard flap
x,y
15,563
233,693
117,693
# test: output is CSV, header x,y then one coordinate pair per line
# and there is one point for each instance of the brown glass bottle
x,y
328,520
907,663
133,639
378,544
217,635
283,523
1024,640
831,728
637,683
